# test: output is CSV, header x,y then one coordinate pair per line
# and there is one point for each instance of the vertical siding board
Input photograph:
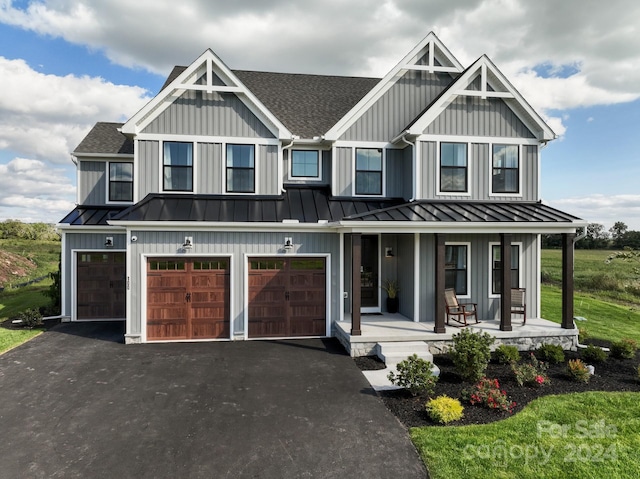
x,y
149,171
344,166
92,182
210,168
267,179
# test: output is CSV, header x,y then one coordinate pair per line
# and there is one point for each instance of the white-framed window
x,y
368,171
495,282
457,257
120,182
305,165
241,168
505,169
454,167
177,166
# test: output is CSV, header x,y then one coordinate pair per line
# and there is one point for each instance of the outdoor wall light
x,y
288,244
108,242
388,252
188,243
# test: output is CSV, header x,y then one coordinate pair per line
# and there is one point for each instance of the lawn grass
x,y
602,440
45,254
605,320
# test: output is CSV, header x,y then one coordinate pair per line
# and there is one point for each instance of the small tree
x,y
471,354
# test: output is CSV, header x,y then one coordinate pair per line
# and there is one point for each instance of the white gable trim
x,y
503,89
428,44
207,63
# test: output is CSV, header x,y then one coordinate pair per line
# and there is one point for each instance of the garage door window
x,y
166,265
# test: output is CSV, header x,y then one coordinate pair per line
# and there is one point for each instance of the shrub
x,y
594,354
552,353
487,393
414,374
638,373
583,335
624,349
578,370
31,318
471,354
444,409
533,373
506,354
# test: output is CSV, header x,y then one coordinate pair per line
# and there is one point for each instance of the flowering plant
x,y
487,393
533,373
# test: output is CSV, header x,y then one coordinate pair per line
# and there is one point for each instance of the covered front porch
x,y
393,328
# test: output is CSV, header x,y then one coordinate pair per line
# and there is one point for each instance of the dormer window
x,y
178,166
368,171
453,168
305,164
120,182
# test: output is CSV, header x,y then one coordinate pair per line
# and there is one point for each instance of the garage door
x,y
187,298
100,286
287,297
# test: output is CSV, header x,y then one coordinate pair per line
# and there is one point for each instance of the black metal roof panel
x,y
302,203
308,105
467,212
91,215
105,138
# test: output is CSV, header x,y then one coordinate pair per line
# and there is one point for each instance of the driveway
x,y
76,402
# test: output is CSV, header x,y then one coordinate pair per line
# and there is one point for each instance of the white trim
x,y
385,145
416,278
74,281
327,271
520,245
468,245
341,272
520,193
418,187
439,192
383,171
107,178
65,275
207,139
144,258
129,268
458,228
334,172
304,178
375,309
503,140
223,226
136,171
538,276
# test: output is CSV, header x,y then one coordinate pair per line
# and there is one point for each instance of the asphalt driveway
x,y
76,402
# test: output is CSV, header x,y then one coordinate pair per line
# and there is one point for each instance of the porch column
x,y
567,280
356,264
505,282
439,267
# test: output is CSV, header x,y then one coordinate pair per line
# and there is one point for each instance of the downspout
x,y
413,165
281,165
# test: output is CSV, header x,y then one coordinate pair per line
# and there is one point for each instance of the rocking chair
x,y
457,311
519,303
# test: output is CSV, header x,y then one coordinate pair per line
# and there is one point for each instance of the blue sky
x,y
66,64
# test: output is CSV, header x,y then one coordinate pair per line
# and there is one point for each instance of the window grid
x,y
505,177
453,168
305,164
178,166
368,171
121,182
456,268
496,280
240,168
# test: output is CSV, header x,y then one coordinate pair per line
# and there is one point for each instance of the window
x,y
496,282
305,164
178,166
455,268
241,168
506,173
368,171
120,181
453,167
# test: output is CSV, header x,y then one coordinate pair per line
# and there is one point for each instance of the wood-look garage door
x,y
287,297
100,286
187,298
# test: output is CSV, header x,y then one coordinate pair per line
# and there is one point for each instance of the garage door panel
x,y
166,329
267,328
100,285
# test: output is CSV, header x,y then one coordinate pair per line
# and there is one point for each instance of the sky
x,y
67,64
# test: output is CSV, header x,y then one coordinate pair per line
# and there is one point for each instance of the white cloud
x,y
603,209
33,190
46,116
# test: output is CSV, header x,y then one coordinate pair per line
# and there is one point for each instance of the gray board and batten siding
x,y
479,163
87,242
238,245
479,269
209,168
215,114
403,102
92,183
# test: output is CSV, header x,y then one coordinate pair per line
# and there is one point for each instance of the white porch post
x,y
341,278
416,277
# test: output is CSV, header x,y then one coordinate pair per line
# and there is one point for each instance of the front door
x,y
369,281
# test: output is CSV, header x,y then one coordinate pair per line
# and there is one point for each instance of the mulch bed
x,y
612,375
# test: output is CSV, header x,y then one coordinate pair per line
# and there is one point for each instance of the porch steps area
x,y
392,353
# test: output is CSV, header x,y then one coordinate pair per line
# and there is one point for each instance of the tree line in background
x,y
617,237
16,229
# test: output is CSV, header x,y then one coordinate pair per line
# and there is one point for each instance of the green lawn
x,y
45,254
600,439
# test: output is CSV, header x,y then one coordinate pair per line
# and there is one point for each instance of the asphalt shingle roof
x,y
105,138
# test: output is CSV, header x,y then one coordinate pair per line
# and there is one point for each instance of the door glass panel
x,y
369,272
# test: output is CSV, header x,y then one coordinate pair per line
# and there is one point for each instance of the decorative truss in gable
x,y
210,75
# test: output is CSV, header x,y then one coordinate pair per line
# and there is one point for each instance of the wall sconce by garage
x,y
388,252
188,243
108,242
288,244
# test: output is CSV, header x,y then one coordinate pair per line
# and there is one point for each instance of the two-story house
x,y
243,204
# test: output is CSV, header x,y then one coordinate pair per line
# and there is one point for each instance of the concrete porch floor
x,y
397,328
